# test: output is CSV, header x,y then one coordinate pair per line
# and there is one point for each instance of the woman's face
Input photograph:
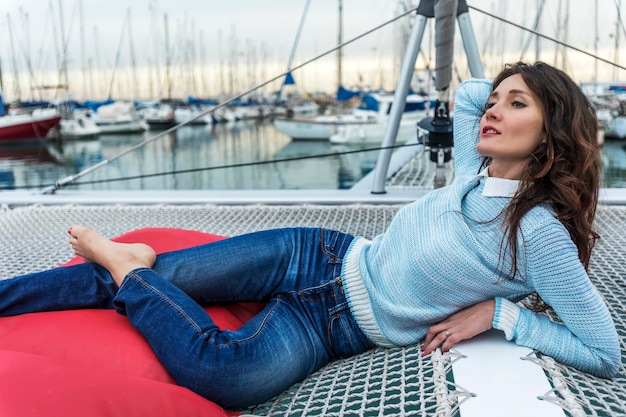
x,y
511,128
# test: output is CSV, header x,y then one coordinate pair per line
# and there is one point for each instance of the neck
x,y
506,171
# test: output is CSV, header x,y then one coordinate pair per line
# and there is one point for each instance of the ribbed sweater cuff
x,y
505,316
357,295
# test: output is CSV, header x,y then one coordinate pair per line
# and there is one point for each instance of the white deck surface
x,y
504,384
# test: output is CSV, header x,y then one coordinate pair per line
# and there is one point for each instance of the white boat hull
x,y
367,134
78,127
119,117
130,126
191,116
363,125
28,126
301,129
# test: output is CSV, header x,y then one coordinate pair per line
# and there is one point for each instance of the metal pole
x,y
469,41
399,102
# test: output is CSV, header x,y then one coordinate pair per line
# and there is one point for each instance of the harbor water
x,y
227,156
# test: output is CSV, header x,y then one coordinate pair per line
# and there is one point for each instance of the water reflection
x,y
203,157
198,154
614,164
21,162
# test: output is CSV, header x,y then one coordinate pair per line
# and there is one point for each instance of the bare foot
x,y
118,258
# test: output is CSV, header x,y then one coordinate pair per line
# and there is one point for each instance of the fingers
x,y
461,325
438,338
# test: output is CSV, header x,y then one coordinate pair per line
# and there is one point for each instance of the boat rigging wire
x,y
620,22
61,183
582,51
70,179
535,26
237,165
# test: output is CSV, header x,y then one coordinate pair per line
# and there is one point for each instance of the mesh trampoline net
x,y
397,382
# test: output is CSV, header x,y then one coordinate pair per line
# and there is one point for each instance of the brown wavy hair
x,y
565,171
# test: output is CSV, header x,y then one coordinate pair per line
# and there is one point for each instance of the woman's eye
x,y
489,105
518,104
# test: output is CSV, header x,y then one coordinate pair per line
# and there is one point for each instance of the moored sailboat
x,y
119,117
29,125
364,124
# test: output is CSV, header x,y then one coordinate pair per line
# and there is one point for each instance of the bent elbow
x,y
610,365
614,367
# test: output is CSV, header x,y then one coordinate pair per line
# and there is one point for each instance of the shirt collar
x,y
498,187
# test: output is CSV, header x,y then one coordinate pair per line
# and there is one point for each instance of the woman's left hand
x,y
462,325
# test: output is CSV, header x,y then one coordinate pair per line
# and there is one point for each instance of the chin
x,y
482,151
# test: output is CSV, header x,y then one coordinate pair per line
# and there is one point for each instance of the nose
x,y
492,112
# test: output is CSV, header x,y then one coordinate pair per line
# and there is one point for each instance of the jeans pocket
x,y
344,335
334,244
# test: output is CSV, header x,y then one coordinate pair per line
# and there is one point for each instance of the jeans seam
x,y
252,336
318,291
328,250
168,301
336,318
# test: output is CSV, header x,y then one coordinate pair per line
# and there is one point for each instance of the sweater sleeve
x,y
469,106
587,339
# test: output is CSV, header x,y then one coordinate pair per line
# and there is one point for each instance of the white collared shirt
x,y
498,187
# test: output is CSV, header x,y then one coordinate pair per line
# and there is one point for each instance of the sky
x,y
122,48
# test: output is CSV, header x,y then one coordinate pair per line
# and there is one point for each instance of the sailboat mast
x,y
65,81
340,42
155,68
539,8
220,40
537,24
1,82
82,46
103,84
294,47
29,66
168,78
18,92
133,61
232,60
559,28
595,44
617,35
566,34
562,25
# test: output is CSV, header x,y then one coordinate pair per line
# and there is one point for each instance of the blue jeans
x,y
305,324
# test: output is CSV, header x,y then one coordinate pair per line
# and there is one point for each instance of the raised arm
x,y
469,105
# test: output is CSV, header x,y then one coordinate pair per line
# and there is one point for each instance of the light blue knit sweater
x,y
441,254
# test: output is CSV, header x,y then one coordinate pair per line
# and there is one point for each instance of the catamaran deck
x,y
397,382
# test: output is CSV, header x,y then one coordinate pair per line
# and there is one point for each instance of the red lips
x,y
490,130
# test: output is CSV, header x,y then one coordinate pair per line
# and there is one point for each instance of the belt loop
x,y
340,284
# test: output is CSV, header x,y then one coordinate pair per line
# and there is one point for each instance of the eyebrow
x,y
513,91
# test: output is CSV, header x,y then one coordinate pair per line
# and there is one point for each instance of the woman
x,y
450,266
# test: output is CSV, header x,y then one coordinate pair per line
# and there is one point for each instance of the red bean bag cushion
x,y
98,356
33,385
